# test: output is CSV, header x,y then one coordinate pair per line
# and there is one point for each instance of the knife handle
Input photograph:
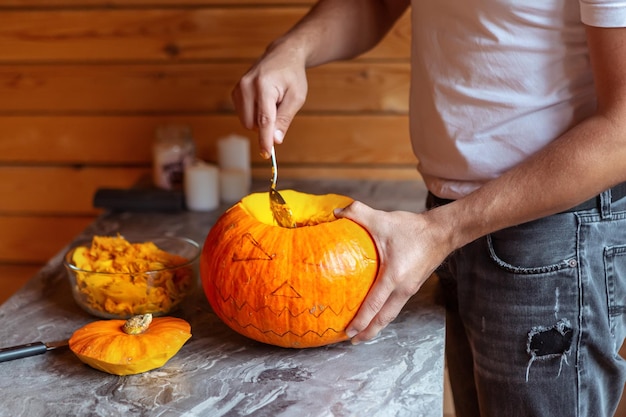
x,y
22,351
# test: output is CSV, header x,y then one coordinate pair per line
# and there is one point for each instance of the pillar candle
x,y
201,186
234,185
233,153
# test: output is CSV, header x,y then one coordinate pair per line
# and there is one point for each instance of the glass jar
x,y
172,150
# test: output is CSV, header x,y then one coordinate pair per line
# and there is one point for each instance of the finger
x,y
266,122
357,212
244,103
384,301
388,313
373,303
364,216
381,289
286,111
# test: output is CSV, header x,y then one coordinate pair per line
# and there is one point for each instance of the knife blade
x,y
29,349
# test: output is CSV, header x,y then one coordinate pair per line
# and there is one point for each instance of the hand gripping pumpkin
x,y
295,287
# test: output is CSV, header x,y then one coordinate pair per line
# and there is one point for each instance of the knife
x,y
29,349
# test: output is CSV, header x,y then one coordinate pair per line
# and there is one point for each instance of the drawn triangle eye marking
x,y
257,253
286,290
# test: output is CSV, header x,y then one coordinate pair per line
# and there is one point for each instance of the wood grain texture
x,y
35,239
60,190
46,191
159,34
192,87
143,3
13,277
85,83
124,140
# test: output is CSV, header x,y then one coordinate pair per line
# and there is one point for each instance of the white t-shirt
x,y
494,81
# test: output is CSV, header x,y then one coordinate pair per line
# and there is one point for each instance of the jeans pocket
x,y
615,276
538,247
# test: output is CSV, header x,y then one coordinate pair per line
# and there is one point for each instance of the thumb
x,y
356,211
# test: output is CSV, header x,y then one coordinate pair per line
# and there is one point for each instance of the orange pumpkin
x,y
126,347
295,287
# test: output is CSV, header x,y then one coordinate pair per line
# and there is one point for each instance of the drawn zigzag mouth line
x,y
279,313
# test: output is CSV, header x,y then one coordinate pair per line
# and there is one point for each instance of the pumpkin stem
x,y
137,324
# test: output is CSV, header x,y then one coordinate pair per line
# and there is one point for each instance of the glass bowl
x,y
147,286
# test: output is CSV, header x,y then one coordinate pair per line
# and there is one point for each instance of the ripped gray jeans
x,y
536,315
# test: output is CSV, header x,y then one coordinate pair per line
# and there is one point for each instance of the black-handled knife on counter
x,y
29,349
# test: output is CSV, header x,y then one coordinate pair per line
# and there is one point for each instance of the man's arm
x,y
342,29
581,163
270,94
576,166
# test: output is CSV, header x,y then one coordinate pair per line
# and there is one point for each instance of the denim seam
x,y
615,310
606,211
581,331
595,217
566,263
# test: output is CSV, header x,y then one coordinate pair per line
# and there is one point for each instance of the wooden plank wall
x,y
84,83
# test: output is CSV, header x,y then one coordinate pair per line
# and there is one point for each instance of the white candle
x,y
201,186
234,185
233,153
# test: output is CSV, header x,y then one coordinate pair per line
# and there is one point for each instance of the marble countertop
x,y
218,372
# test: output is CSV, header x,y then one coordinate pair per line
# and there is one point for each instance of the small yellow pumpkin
x,y
133,346
291,287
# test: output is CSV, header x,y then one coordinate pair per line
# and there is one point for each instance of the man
x,y
518,120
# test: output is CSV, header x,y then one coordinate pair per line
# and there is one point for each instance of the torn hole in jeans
x,y
549,342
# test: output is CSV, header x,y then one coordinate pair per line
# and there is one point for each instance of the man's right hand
x,y
270,94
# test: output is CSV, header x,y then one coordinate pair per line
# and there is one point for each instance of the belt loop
x,y
605,204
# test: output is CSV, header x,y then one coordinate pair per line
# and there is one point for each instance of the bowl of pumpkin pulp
x,y
117,277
